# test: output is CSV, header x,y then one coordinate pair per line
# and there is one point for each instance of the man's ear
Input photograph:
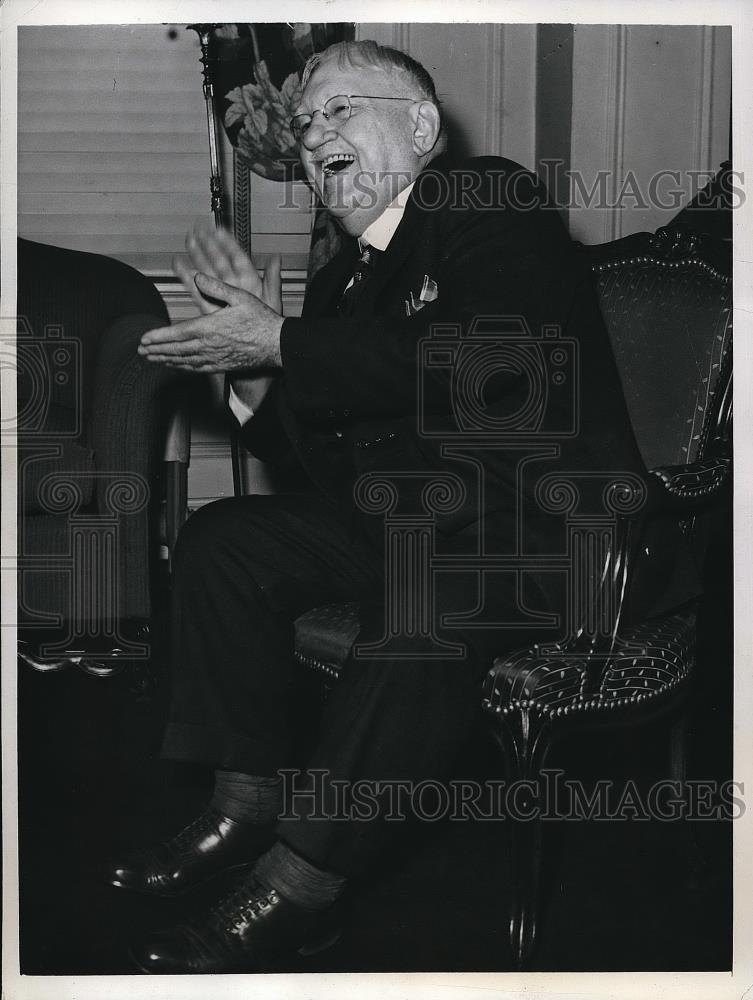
x,y
426,127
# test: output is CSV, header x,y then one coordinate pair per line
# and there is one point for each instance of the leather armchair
x,y
666,300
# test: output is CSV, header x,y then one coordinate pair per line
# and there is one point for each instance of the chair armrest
x,y
686,488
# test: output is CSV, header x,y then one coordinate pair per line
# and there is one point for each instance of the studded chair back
x,y
669,317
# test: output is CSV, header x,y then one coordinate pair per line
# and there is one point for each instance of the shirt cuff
x,y
238,408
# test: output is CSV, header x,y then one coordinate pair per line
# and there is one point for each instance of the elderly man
x,y
341,393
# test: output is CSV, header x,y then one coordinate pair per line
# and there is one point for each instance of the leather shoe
x,y
211,844
254,929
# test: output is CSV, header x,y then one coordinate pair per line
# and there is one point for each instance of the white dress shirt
x,y
377,235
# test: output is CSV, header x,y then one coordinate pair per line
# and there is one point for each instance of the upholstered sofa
x,y
91,424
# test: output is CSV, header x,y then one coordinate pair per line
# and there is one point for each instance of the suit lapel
x,y
327,287
412,231
401,244
328,284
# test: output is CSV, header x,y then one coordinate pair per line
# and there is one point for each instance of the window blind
x,y
112,140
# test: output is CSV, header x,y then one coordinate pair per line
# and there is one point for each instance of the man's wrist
x,y
277,323
288,333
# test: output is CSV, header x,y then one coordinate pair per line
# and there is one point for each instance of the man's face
x,y
359,166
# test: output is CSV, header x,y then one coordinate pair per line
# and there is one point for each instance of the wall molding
x,y
494,96
616,95
211,449
705,101
180,304
401,36
517,93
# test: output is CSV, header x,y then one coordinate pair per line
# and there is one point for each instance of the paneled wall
x,y
629,101
485,76
647,101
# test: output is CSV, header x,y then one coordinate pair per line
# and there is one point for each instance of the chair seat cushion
x,y
324,636
650,660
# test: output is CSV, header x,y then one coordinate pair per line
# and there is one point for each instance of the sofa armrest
x,y
127,427
128,418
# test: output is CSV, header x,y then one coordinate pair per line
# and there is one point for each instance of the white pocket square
x,y
429,292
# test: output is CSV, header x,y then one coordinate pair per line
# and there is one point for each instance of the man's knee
x,y
218,524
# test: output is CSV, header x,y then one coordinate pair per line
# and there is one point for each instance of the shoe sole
x,y
305,951
177,893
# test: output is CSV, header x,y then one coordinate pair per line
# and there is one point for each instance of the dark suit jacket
x,y
477,349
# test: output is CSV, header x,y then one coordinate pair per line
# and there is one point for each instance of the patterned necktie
x,y
363,271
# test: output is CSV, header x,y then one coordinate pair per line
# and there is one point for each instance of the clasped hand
x,y
245,334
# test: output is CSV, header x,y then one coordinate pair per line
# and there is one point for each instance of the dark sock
x,y
247,798
297,879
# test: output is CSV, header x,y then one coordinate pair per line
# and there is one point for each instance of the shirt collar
x,y
381,230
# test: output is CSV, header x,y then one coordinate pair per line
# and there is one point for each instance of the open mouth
x,y
334,164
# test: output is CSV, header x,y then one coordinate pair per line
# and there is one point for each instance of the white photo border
x,y
575,986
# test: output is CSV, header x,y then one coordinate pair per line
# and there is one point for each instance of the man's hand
x,y
245,334
216,253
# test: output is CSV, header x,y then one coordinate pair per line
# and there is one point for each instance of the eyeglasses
x,y
337,109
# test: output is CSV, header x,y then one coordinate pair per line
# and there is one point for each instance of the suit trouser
x,y
244,570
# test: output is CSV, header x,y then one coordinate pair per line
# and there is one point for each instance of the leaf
x,y
226,31
275,104
301,32
252,96
291,91
247,145
277,134
249,135
303,40
260,120
234,113
278,114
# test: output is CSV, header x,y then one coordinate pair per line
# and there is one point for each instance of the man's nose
x,y
320,130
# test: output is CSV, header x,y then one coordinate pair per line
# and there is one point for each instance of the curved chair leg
x,y
678,748
527,862
524,739
679,743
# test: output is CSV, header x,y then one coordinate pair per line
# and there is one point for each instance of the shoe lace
x,y
244,904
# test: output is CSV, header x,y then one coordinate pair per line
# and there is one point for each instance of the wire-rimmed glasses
x,y
337,109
